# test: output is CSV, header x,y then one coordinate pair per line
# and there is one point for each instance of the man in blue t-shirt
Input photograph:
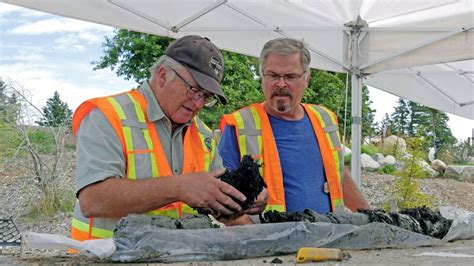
x,y
292,138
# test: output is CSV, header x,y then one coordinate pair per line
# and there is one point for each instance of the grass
x,y
51,202
369,149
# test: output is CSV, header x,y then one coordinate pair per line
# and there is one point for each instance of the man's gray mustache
x,y
282,93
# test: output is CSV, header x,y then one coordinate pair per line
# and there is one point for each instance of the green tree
x,y
386,126
411,119
368,124
400,119
130,54
328,89
435,131
56,113
406,191
418,117
9,104
9,115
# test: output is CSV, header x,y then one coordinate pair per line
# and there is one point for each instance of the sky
x,y
45,53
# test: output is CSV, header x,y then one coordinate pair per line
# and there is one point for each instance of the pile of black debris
x,y
246,179
420,220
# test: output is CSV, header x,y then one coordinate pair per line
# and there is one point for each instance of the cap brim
x,y
208,83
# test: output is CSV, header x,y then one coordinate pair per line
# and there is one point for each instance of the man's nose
x,y
281,82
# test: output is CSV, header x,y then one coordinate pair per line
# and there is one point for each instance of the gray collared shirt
x,y
99,150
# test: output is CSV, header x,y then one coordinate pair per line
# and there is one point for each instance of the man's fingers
x,y
219,209
232,191
228,202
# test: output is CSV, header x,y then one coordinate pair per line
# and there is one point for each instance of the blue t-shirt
x,y
300,160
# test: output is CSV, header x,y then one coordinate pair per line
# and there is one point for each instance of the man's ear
x,y
308,78
161,75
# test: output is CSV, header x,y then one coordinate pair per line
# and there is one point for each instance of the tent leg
x,y
356,129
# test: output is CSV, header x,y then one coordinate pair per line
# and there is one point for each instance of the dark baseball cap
x,y
202,59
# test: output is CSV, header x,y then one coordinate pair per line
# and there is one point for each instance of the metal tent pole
x,y
356,35
356,128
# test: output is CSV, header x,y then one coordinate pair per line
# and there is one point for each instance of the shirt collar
x,y
153,109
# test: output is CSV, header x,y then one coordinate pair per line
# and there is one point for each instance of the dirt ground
x,y
454,253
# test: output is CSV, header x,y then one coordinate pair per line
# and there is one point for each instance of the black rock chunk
x,y
419,220
276,261
432,222
246,179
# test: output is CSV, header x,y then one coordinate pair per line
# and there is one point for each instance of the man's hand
x,y
206,192
243,218
259,204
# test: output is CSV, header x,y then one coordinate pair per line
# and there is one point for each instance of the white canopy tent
x,y
421,50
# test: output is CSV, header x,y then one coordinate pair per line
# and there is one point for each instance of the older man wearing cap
x,y
146,151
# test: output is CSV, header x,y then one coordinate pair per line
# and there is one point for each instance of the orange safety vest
x,y
255,137
143,154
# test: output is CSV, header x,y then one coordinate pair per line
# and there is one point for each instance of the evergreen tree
x,y
325,89
4,99
386,126
418,117
56,113
400,118
428,125
435,131
9,105
368,125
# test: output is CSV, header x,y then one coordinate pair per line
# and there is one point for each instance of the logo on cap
x,y
215,65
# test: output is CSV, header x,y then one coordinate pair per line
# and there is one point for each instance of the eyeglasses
x,y
197,94
288,78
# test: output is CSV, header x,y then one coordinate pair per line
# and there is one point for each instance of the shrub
x,y
456,154
10,141
461,152
347,160
50,202
386,169
369,149
406,189
42,141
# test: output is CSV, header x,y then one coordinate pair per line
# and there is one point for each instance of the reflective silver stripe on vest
x,y
142,161
138,129
252,134
332,130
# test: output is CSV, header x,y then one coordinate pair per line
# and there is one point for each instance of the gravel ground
x,y
444,192
17,194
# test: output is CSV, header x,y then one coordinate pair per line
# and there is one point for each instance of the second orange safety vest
x,y
255,137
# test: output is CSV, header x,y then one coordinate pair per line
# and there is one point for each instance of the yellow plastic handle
x,y
318,254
